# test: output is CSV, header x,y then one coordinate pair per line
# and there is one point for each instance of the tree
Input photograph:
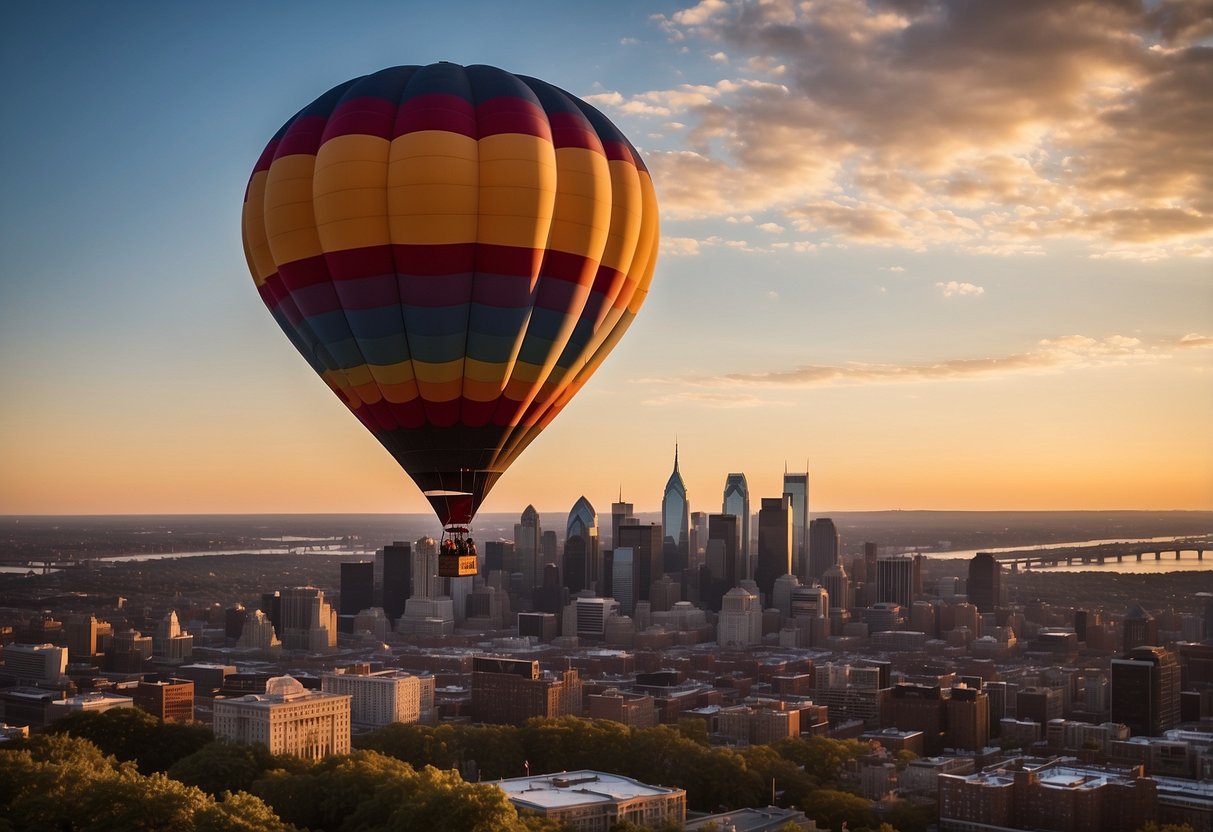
x,y
64,782
832,808
134,734
220,767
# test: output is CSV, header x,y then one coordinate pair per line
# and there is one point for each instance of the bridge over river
x,y
1192,549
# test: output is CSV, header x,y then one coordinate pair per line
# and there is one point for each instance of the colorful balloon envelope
x,y
454,250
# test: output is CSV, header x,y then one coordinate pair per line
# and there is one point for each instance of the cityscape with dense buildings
x,y
1019,688
646,416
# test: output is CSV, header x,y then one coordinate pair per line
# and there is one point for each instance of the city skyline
x,y
950,283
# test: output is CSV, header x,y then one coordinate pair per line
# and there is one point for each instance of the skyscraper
x,y
357,588
824,546
838,584
722,559
774,543
737,503
645,543
621,513
676,523
397,579
581,562
796,487
985,582
527,543
1145,690
895,580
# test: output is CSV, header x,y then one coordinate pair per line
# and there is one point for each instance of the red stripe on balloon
x,y
570,130
436,111
366,115
303,136
508,114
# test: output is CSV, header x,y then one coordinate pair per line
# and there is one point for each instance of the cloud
x,y
771,227
980,126
955,289
1065,353
897,269
679,247
1195,341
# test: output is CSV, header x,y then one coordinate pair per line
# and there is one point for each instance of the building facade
x,y
287,719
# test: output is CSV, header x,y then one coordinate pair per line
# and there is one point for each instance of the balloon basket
x,y
456,553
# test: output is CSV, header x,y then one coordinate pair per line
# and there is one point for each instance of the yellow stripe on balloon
x,y
290,223
517,190
256,244
582,213
349,189
626,205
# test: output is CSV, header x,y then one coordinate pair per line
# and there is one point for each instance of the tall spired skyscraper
x,y
796,487
675,523
581,547
737,503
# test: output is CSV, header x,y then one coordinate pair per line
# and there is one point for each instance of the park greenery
x,y
125,770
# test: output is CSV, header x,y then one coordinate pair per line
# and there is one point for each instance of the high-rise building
x,y
985,582
581,558
825,546
86,637
967,713
1145,690
721,559
645,543
838,584
623,578
397,579
774,543
737,503
796,489
287,719
810,602
308,621
622,514
258,634
171,643
740,621
377,699
528,547
699,537
675,523
1140,628
357,587
426,581
896,579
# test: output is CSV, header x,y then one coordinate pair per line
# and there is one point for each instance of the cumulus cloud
x,y
956,289
679,247
976,125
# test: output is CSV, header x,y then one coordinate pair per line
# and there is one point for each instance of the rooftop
x,y
576,788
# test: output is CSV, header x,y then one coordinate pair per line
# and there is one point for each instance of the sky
x,y
944,255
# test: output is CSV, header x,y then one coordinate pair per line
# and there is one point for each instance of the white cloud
x,y
679,247
956,289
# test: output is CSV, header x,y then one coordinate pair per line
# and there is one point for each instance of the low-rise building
x,y
287,719
594,801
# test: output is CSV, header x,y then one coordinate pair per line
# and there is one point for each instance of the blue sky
x,y
955,255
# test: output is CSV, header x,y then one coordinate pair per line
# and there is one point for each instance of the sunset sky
x,y
956,255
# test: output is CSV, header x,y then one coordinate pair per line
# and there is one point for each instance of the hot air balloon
x,y
454,250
